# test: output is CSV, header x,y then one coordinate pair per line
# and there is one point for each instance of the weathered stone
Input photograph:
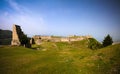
x,y
38,39
16,35
32,41
19,38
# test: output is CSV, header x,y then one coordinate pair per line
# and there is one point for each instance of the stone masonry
x,y
16,35
38,39
18,38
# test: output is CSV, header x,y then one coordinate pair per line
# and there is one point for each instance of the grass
x,y
60,58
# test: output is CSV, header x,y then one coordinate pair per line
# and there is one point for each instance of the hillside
x,y
60,58
5,37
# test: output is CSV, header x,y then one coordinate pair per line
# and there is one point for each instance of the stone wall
x,y
16,35
18,38
38,39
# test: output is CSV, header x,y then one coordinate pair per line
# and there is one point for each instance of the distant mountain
x,y
5,37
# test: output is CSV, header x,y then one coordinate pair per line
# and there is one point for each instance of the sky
x,y
62,17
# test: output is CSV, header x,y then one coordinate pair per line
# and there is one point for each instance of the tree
x,y
107,41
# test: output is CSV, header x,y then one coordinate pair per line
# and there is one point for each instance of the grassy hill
x,y
60,58
5,37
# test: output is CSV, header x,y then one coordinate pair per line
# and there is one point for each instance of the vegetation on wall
x,y
25,41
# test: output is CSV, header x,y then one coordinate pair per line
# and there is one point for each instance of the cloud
x,y
23,17
15,6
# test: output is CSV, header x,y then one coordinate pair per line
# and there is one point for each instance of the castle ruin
x,y
16,35
18,38
38,39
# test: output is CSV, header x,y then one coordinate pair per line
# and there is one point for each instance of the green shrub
x,y
94,44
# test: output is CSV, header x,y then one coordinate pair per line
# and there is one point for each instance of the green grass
x,y
60,58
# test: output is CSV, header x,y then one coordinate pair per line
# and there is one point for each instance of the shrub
x,y
94,44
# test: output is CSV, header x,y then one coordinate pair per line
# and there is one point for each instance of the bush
x,y
94,44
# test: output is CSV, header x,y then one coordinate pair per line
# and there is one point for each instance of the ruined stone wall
x,y
39,39
45,37
16,35
55,40
65,39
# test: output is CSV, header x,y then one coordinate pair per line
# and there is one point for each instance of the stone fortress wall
x,y
38,39
18,35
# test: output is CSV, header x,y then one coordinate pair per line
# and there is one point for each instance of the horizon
x,y
62,17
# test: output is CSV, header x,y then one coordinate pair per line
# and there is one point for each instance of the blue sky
x,y
63,17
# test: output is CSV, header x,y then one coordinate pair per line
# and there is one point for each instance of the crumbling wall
x,y
16,35
19,38
38,39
